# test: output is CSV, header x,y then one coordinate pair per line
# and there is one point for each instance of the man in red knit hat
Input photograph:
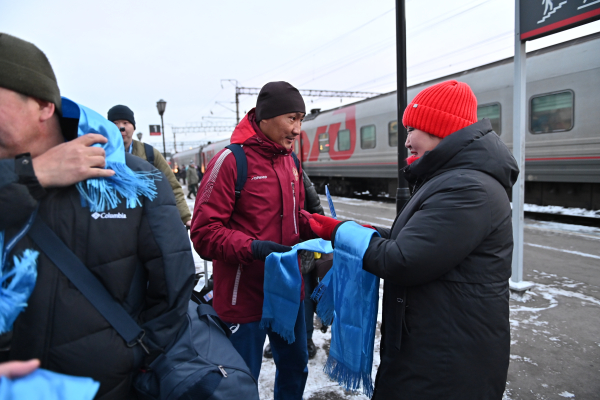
x,y
447,259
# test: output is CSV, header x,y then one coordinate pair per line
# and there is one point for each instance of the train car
x,y
209,151
354,147
183,158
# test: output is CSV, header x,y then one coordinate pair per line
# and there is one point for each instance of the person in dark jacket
x,y
446,260
145,267
192,180
239,233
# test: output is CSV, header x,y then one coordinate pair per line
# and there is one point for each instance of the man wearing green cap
x,y
141,255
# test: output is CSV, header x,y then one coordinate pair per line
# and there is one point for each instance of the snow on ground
x,y
578,212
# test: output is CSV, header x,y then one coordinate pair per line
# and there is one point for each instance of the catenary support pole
x,y
162,127
519,132
237,105
402,194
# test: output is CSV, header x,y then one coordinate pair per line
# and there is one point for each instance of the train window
x,y
367,137
552,112
324,143
491,112
393,133
343,140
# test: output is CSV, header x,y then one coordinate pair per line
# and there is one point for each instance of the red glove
x,y
323,226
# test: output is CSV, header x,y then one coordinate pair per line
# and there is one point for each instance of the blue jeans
x,y
291,360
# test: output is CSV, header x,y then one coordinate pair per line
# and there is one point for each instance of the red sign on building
x,y
154,130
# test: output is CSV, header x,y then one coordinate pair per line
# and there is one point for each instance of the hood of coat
x,y
475,147
248,133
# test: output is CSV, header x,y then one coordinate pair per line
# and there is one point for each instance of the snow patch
x,y
566,394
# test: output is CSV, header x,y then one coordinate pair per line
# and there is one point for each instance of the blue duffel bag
x,y
201,364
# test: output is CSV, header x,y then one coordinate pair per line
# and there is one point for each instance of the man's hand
x,y
17,369
72,162
323,226
262,248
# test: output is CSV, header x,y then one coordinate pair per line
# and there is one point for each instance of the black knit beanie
x,y
121,112
25,69
278,98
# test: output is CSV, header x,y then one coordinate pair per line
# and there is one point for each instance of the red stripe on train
x,y
562,158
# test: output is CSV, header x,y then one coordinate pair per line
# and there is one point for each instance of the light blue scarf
x,y
282,286
103,194
16,281
42,384
348,300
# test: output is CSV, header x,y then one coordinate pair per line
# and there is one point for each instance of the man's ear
x,y
47,109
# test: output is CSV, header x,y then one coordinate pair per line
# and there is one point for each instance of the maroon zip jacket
x,y
269,208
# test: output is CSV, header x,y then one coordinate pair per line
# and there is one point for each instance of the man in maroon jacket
x,y
238,234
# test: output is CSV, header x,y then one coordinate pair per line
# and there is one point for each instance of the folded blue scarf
x,y
17,280
282,286
348,299
42,384
103,194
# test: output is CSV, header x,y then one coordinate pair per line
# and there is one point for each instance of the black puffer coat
x,y
445,264
143,259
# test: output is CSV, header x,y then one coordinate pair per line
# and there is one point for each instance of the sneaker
x,y
268,353
312,349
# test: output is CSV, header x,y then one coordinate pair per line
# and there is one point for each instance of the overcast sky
x,y
136,52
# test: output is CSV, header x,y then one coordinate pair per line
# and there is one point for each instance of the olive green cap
x,y
25,69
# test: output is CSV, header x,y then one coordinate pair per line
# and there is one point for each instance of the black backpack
x,y
149,153
242,166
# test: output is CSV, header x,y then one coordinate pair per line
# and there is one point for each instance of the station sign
x,y
544,17
154,130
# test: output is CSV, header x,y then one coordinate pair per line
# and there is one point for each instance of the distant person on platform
x,y
122,116
239,233
447,258
192,180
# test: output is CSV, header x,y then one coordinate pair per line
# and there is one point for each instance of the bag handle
x,y
206,309
87,283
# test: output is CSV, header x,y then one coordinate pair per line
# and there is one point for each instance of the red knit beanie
x,y
442,109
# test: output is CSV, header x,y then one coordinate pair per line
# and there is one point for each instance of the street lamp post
x,y
161,105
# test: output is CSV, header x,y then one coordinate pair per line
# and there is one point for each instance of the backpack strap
x,y
242,167
149,153
87,283
296,161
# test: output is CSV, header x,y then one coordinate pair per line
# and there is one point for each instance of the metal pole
x,y
174,140
519,132
162,126
237,105
402,194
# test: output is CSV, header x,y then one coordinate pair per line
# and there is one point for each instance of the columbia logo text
x,y
109,215
255,178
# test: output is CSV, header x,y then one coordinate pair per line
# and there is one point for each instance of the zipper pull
x,y
223,371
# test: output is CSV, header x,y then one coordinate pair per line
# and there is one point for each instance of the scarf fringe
x,y
16,287
277,327
323,295
350,380
102,194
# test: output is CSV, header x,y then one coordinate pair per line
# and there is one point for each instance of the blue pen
x,y
331,208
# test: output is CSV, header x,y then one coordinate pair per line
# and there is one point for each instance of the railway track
x,y
535,215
